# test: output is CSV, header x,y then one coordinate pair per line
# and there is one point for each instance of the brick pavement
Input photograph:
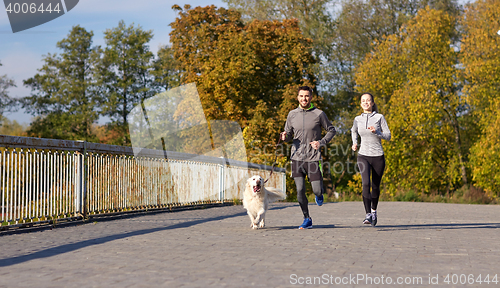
x,y
216,247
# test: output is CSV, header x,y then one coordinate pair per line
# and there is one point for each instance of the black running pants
x,y
313,171
374,166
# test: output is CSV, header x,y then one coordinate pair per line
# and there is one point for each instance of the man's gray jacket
x,y
304,125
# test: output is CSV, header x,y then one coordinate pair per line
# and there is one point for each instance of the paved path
x,y
216,247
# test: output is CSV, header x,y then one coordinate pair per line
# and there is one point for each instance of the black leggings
x,y
317,187
313,171
375,166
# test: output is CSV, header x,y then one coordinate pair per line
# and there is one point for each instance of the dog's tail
x,y
274,194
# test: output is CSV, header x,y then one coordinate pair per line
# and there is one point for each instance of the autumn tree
x,y
65,95
343,32
313,16
480,52
125,74
12,128
358,25
247,73
414,78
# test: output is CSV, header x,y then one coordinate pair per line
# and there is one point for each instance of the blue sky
x,y
21,53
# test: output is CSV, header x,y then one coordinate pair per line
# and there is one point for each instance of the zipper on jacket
x,y
303,134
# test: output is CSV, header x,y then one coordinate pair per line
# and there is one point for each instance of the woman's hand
x,y
371,128
354,147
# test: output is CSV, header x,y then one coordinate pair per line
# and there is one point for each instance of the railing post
x,y
84,178
221,182
78,182
283,177
82,181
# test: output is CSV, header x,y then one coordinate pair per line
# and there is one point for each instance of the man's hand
x,y
283,136
315,144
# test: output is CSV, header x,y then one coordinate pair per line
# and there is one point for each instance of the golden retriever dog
x,y
256,199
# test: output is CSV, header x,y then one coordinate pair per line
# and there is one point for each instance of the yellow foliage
x,y
356,184
11,128
411,75
480,56
248,73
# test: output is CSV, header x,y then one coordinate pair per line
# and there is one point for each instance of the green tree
x,y
5,101
165,69
64,92
480,52
125,74
413,73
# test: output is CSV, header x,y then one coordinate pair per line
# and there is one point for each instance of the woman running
x,y
371,127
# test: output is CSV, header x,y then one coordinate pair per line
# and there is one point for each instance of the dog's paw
x,y
254,226
261,224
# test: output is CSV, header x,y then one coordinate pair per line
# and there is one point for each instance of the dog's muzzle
x,y
256,188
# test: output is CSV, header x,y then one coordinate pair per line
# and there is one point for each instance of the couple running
x,y
304,125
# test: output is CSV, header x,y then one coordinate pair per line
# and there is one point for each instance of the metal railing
x,y
46,180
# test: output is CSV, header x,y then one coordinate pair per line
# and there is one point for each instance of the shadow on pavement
x,y
331,226
96,241
438,226
281,207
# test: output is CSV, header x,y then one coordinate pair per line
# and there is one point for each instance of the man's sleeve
x,y
330,130
288,128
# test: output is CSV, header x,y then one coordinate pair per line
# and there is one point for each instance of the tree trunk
x,y
458,144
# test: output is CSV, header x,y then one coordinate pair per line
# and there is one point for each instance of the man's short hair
x,y
305,88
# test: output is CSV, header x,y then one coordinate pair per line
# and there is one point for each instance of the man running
x,y
304,125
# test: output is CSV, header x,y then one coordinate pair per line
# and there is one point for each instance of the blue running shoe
x,y
308,223
319,200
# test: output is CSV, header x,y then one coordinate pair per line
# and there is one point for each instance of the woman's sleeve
x,y
354,132
385,133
